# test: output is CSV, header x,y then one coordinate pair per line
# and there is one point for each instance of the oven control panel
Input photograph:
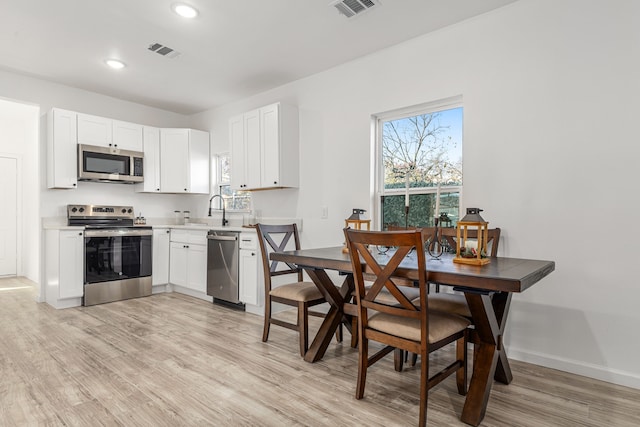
x,y
100,211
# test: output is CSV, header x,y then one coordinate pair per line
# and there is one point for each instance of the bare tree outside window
x,y
421,158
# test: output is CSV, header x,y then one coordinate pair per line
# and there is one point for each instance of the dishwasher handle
x,y
221,238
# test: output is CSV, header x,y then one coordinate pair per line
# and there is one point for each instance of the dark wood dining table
x,y
488,290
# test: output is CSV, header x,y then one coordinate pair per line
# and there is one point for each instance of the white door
x,y
8,216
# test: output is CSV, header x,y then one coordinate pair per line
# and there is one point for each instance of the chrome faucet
x,y
224,219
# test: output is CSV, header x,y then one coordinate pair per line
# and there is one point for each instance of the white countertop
x,y
196,226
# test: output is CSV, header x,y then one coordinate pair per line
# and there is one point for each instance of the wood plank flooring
x,y
172,360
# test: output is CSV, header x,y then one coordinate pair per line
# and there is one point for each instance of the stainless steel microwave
x,y
109,164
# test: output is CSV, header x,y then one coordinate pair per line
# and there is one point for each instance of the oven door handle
x,y
117,233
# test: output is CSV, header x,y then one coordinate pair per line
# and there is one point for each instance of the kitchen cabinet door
x,y
62,149
197,268
244,134
270,137
71,262
174,160
94,130
178,263
199,162
238,160
161,252
127,136
253,149
151,162
248,276
279,138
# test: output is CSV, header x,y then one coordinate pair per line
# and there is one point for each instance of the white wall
x,y
550,92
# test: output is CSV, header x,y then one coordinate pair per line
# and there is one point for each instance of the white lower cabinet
x,y
160,263
188,259
64,272
251,286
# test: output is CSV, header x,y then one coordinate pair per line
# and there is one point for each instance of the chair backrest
x,y
409,246
275,238
493,238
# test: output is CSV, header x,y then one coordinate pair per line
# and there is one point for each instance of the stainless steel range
x,y
117,254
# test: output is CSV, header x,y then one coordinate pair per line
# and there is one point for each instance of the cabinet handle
x,y
275,182
253,254
74,184
80,234
185,189
157,189
168,231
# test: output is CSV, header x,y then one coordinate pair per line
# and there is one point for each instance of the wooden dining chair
x,y
404,324
300,294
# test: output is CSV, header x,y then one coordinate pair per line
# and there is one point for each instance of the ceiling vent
x,y
351,8
163,50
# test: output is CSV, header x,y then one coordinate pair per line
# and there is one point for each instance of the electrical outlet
x,y
325,212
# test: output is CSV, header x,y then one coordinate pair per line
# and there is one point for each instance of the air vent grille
x,y
165,51
351,8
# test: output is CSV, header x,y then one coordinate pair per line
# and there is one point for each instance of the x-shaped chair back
x,y
275,238
384,267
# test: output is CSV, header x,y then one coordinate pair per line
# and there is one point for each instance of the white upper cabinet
x,y
199,162
94,130
184,161
244,133
104,132
238,157
127,136
264,148
151,162
279,138
62,149
174,160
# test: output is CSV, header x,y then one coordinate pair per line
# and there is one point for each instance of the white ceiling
x,y
234,49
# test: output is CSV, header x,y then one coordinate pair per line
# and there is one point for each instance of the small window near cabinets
x,y
238,201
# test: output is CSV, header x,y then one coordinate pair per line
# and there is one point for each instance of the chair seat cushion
x,y
450,303
298,291
441,325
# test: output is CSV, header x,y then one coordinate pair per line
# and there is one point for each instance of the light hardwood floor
x,y
172,360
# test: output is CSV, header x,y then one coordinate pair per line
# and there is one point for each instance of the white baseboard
x,y
598,372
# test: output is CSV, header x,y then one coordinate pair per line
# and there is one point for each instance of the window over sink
x,y
418,171
235,200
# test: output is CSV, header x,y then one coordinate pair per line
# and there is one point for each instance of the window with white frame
x,y
419,165
234,200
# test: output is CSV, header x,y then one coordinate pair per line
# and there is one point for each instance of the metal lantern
x,y
467,252
357,223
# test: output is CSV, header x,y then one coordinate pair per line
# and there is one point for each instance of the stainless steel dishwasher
x,y
222,267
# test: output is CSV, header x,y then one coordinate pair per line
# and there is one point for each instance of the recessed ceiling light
x,y
185,10
116,64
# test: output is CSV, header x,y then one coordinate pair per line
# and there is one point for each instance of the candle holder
x,y
406,217
434,246
357,223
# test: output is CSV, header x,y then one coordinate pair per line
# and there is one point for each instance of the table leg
x,y
336,298
501,302
486,357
